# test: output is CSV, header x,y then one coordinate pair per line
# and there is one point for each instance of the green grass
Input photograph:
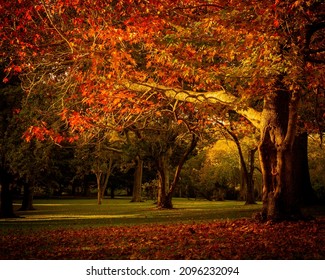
x,y
85,213
58,213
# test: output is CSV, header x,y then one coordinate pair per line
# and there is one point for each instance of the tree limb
x,y
212,97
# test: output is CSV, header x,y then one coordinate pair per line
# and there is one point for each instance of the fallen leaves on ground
x,y
237,239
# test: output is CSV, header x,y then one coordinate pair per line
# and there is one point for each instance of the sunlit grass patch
x,y
83,213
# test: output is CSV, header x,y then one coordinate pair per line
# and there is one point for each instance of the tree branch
x,y
212,97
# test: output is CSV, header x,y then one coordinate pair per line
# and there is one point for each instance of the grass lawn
x,y
76,213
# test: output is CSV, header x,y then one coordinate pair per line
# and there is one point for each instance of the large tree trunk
x,y
137,184
278,131
6,207
28,196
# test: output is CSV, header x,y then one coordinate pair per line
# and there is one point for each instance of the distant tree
x,y
167,144
99,154
316,154
215,170
10,98
247,166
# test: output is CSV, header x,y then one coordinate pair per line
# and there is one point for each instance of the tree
x,y
10,97
316,154
167,141
103,58
234,128
278,66
99,153
137,184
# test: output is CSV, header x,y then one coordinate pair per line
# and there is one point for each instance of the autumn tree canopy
x,y
111,64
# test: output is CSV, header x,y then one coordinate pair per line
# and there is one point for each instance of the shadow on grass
x,y
77,213
83,213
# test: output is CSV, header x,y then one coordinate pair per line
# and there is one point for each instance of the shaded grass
x,y
83,213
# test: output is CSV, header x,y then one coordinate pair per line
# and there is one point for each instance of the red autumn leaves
x,y
240,239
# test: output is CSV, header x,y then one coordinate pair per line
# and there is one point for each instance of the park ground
x,y
195,229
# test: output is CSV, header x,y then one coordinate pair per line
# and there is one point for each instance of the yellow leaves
x,y
232,55
250,40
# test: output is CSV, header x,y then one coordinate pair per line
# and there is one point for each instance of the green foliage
x,y
316,157
214,170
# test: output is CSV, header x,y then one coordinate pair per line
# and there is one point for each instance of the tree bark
x,y
250,195
163,182
100,193
278,133
27,203
102,180
137,185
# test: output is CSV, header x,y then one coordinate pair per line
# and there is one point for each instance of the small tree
x,y
99,155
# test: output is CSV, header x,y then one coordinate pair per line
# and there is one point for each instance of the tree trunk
x,y
6,208
100,193
28,196
242,189
112,192
278,131
246,175
137,185
166,189
301,170
163,201
102,180
250,196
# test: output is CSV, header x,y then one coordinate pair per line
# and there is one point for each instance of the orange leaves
x,y
34,131
276,23
90,47
237,239
79,122
43,133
